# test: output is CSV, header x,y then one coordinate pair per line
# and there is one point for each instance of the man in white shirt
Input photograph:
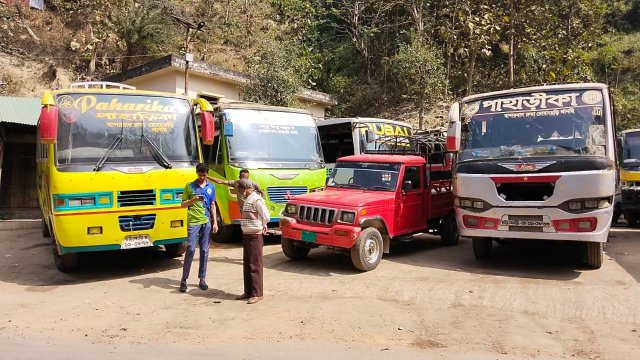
x,y
255,217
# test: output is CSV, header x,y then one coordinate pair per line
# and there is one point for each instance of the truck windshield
x,y
89,124
569,122
270,138
370,176
631,149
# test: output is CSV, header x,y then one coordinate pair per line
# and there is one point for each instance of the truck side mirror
x,y
48,120
207,129
406,186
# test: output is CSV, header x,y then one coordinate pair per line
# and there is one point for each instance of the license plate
x,y
136,241
308,236
525,221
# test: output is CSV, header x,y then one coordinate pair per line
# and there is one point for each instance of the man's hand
x,y
214,228
264,230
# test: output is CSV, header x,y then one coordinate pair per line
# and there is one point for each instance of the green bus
x,y
279,146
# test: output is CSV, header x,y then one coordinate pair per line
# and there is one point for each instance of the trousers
x,y
200,234
252,263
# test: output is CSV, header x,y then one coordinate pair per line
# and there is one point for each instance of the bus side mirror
x,y
368,135
228,128
454,130
49,124
207,129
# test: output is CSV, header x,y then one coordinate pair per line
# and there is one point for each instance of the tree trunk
x,y
420,112
512,50
472,65
449,40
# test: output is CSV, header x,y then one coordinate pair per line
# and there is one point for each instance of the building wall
x,y
172,80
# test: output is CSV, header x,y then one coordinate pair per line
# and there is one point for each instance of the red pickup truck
x,y
369,201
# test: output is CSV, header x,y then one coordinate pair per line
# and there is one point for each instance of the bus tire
x,y
449,234
65,262
293,251
366,253
482,247
45,229
176,250
594,254
225,233
632,219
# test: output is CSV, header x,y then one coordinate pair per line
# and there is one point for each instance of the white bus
x,y
352,136
535,163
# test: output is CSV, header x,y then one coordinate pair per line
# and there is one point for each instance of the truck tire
x,y
175,250
64,262
45,229
482,247
293,251
449,235
594,254
367,250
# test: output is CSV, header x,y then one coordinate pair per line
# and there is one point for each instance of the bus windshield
x,y
271,138
90,124
566,123
384,137
631,149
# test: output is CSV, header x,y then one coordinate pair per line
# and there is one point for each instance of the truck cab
x,y
369,201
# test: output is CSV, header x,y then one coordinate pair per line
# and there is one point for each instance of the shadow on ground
x,y
193,290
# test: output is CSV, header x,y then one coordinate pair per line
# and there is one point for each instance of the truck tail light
x,y
479,222
588,224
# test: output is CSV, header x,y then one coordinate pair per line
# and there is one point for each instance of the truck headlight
x,y
291,209
348,217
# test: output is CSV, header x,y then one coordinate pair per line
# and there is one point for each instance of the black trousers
x,y
252,263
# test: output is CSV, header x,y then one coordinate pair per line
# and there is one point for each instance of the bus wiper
x,y
103,159
157,154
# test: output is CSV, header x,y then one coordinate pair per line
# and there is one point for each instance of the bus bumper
x,y
80,232
340,236
541,224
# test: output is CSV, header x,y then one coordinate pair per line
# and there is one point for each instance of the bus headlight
x,y
471,204
347,217
578,205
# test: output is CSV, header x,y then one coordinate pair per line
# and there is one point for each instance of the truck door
x,y
411,214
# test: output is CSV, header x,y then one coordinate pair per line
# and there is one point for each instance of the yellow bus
x,y
112,164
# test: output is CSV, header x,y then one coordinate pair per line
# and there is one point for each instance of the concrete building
x,y
211,82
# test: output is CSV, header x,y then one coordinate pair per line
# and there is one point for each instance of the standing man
x,y
199,197
255,217
244,174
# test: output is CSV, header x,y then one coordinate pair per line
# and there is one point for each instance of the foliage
x,y
276,75
420,70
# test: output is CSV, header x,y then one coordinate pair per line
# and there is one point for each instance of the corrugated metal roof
x,y
19,110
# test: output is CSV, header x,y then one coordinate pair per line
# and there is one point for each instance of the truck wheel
x,y
65,262
367,251
449,231
594,255
482,247
175,250
45,229
293,251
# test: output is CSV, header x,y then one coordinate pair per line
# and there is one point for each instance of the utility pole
x,y
188,56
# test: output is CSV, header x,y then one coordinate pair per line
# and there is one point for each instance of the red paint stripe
x,y
119,211
525,179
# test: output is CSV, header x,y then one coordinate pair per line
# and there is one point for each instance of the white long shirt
x,y
255,214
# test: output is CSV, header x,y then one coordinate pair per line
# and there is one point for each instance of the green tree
x,y
276,75
420,69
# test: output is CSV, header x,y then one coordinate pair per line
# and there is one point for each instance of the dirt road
x,y
532,300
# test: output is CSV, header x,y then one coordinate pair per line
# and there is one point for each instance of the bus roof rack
x,y
101,85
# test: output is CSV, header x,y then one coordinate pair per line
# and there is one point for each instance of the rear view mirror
x,y
48,120
228,128
406,186
207,129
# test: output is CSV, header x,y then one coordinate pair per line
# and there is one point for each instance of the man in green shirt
x,y
199,197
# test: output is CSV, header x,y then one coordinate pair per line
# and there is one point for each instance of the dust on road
x,y
532,300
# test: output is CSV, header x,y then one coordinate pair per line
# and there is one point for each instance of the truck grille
x,y
136,198
316,214
282,194
137,222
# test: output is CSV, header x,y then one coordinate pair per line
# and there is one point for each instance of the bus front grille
x,y
137,222
316,214
282,194
136,198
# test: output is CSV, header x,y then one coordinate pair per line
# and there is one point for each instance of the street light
x,y
188,56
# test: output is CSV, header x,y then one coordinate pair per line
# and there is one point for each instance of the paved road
x,y
532,300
